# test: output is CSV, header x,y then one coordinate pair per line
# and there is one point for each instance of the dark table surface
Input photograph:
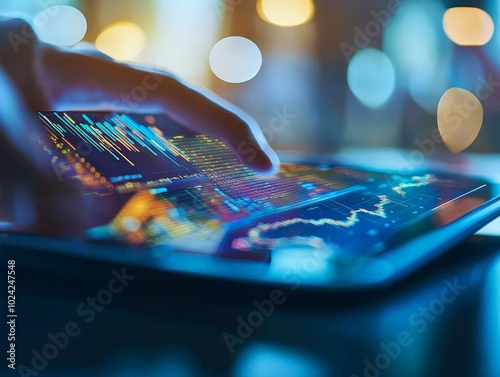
x,y
175,327
159,326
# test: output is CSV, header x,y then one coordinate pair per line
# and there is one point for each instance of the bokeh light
x,y
460,118
122,41
182,33
492,49
235,59
371,77
415,41
468,26
261,359
60,25
286,13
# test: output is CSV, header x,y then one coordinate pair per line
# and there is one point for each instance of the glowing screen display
x,y
171,187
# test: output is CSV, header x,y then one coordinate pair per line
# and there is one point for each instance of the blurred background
x,y
316,74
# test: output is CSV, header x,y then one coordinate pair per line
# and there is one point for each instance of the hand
x,y
35,76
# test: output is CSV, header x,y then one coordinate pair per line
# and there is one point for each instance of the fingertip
x,y
266,161
274,160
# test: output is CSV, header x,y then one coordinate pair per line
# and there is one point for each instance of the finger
x,y
31,197
19,132
83,82
88,48
19,48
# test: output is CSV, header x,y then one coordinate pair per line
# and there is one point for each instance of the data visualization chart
x,y
190,192
362,221
119,149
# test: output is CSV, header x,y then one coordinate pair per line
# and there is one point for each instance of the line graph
x,y
255,235
418,181
350,221
270,234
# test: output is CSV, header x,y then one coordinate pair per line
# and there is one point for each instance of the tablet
x,y
179,202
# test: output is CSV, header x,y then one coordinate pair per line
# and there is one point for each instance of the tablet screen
x,y
169,186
